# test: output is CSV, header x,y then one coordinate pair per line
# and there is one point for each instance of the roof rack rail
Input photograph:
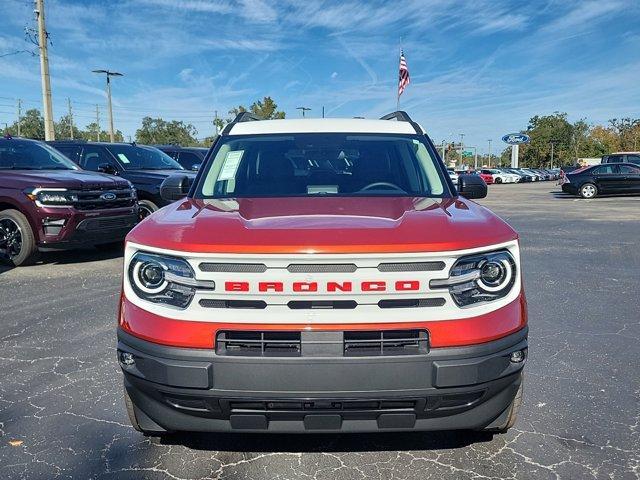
x,y
247,117
400,116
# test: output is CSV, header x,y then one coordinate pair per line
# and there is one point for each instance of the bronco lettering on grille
x,y
330,287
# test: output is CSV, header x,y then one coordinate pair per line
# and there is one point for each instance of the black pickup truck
x,y
144,166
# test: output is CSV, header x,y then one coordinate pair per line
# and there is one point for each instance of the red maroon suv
x,y
46,201
322,275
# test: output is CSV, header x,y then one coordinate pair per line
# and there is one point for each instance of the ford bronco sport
x,y
46,201
322,275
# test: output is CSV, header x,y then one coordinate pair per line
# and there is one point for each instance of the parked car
x,y
144,166
524,177
620,157
46,201
500,176
189,157
453,175
535,175
359,291
603,179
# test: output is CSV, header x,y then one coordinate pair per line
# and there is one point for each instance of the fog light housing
x,y
127,358
518,356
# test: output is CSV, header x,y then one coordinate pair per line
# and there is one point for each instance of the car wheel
x,y
588,190
145,208
498,180
17,242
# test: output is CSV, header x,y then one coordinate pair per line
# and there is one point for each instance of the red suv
x,y
46,201
322,275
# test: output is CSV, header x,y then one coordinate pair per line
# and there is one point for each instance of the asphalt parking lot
x,y
62,415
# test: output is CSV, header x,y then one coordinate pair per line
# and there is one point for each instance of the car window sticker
x,y
231,164
123,158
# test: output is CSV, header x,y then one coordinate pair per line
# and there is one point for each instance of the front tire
x,y
588,190
17,241
146,208
498,180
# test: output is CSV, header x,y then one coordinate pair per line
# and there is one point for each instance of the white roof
x,y
322,125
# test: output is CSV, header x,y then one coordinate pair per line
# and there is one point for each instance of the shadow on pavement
x,y
305,443
66,257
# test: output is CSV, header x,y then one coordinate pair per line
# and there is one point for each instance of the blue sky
x,y
480,67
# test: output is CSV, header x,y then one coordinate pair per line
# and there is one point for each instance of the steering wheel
x,y
382,184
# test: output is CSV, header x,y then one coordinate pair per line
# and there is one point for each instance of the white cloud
x,y
334,75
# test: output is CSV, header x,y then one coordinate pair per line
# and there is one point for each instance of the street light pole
x,y
109,74
43,38
461,147
489,152
303,110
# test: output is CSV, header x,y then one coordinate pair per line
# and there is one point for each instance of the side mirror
x,y
175,187
107,168
195,167
472,186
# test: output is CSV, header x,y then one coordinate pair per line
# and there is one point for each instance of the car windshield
x,y
322,164
27,155
135,157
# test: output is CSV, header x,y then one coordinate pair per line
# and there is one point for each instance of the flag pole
x,y
398,85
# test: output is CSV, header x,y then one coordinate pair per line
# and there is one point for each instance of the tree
x,y
628,132
266,108
31,125
62,128
159,131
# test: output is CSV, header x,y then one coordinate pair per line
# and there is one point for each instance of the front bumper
x,y
175,389
85,228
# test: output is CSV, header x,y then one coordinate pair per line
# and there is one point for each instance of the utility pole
x,y
552,145
43,38
109,74
303,110
19,115
489,152
98,121
215,122
443,151
461,147
70,118
323,117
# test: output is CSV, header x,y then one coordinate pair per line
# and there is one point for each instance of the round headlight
x,y
149,277
495,274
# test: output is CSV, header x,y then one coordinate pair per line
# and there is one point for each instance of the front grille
x,y
385,342
411,267
233,267
321,304
322,343
90,199
412,303
322,268
324,405
106,223
256,344
213,303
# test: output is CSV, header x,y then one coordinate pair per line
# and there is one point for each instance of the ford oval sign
x,y
515,138
108,197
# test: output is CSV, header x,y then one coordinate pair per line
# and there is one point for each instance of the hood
x,y
71,179
153,177
322,225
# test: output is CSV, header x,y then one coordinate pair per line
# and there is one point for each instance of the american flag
x,y
403,78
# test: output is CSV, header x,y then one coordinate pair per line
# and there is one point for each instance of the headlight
x,y
162,279
51,197
480,278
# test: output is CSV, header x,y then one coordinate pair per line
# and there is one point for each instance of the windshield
x,y
135,157
22,155
321,164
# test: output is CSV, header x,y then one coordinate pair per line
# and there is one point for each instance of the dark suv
x,y
46,201
622,157
145,167
189,157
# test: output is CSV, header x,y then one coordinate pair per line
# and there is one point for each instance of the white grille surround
x,y
277,310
